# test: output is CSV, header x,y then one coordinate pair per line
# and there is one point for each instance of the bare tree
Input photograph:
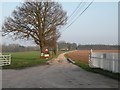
x,y
39,21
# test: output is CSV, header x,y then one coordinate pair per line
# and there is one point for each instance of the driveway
x,y
58,74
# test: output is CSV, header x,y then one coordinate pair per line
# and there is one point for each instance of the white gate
x,y
106,61
5,60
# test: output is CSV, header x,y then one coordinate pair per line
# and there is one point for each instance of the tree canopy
x,y
39,21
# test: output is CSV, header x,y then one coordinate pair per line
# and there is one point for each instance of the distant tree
x,y
39,21
98,47
73,46
69,46
61,45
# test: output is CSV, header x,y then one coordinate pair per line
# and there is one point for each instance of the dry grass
x,y
83,55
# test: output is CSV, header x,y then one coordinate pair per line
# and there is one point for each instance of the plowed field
x,y
83,55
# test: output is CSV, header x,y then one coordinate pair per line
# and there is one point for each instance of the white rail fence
x,y
106,61
5,60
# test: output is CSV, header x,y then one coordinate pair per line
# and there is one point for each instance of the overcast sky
x,y
97,25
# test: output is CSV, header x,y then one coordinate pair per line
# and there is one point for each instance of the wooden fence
x,y
5,60
106,61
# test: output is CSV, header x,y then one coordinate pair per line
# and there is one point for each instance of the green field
x,y
25,59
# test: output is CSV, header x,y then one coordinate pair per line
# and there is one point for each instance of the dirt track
x,y
58,74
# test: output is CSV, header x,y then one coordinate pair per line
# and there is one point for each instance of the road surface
x,y
58,74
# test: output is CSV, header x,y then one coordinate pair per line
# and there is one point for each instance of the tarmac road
x,y
58,74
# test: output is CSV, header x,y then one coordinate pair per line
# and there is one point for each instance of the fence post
x,y
90,54
9,58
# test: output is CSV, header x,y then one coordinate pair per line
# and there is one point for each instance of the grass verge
x,y
22,60
86,67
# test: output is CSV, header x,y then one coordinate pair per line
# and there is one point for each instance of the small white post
x,y
91,51
90,62
9,58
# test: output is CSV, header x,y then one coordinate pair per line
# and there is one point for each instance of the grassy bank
x,y
86,67
26,59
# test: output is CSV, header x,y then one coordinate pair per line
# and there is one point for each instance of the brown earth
x,y
83,55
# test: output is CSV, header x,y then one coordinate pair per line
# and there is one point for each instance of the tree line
x,y
18,48
62,46
73,46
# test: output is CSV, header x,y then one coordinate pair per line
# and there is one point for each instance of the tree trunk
x,y
55,52
41,51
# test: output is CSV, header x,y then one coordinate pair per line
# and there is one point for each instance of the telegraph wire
x,y
75,9
77,12
78,16
74,13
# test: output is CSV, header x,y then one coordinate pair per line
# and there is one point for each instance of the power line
x,y
78,9
75,9
77,13
78,16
